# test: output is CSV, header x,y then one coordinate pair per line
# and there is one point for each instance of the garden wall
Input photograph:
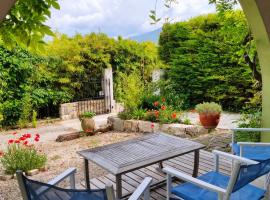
x,y
74,109
181,130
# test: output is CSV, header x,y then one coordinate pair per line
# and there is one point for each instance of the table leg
x,y
160,167
118,186
86,174
196,163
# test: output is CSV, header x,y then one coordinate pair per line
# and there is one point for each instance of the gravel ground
x,y
62,156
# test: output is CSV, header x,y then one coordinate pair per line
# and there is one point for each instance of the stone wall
x,y
181,130
74,109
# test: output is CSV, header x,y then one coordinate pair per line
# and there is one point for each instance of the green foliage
x,y
208,108
25,24
138,114
19,157
87,114
129,90
167,115
205,55
186,121
26,111
28,82
34,119
251,119
85,58
125,115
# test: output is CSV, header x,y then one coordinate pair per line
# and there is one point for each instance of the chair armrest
x,y
68,173
143,189
253,144
194,181
62,176
234,157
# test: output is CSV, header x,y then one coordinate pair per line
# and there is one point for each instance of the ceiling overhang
x,y
264,9
5,6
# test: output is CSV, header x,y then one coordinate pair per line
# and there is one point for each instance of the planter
x,y
88,125
209,121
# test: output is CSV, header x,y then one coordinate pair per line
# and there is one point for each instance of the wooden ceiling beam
x,y
5,6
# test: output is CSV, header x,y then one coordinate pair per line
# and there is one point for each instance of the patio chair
x,y
215,185
34,190
252,150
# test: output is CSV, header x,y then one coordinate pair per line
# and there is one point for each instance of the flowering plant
x,y
22,154
161,113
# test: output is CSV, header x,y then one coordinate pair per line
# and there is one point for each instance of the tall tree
x,y
25,23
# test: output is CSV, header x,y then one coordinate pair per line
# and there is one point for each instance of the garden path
x,y
50,132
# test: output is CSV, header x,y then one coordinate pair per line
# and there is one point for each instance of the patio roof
x,y
5,6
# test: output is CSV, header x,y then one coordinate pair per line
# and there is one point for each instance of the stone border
x,y
181,130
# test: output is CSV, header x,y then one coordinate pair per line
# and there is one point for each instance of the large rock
x,y
148,127
131,125
68,137
116,123
183,130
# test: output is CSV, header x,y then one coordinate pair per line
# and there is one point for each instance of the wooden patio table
x,y
123,157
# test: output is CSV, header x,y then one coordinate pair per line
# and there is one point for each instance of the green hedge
x,y
205,55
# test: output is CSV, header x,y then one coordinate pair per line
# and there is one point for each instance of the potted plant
x,y
87,122
209,114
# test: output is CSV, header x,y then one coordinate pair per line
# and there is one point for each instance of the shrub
x,y
208,108
87,114
26,111
34,119
125,115
167,115
138,114
152,115
249,120
206,59
186,121
129,89
22,155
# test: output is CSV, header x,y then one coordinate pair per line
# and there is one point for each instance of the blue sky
x,y
119,17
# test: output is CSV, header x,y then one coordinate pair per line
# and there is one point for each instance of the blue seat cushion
x,y
189,191
258,153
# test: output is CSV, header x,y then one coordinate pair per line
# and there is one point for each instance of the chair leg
x,y
146,195
19,175
169,186
72,181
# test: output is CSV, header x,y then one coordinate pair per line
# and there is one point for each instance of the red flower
x,y
27,135
37,135
17,141
22,138
2,153
163,107
174,115
10,141
163,99
152,126
156,103
157,113
25,143
14,133
37,139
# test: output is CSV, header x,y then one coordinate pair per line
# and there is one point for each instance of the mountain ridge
x,y
152,36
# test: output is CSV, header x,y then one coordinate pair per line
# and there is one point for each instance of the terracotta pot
x,y
209,121
88,125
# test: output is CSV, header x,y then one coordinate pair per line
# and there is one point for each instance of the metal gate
x,y
94,97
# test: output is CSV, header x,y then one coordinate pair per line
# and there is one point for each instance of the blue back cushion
x,y
41,191
249,173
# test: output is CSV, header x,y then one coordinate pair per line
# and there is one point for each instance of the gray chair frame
x,y
223,194
242,144
142,190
